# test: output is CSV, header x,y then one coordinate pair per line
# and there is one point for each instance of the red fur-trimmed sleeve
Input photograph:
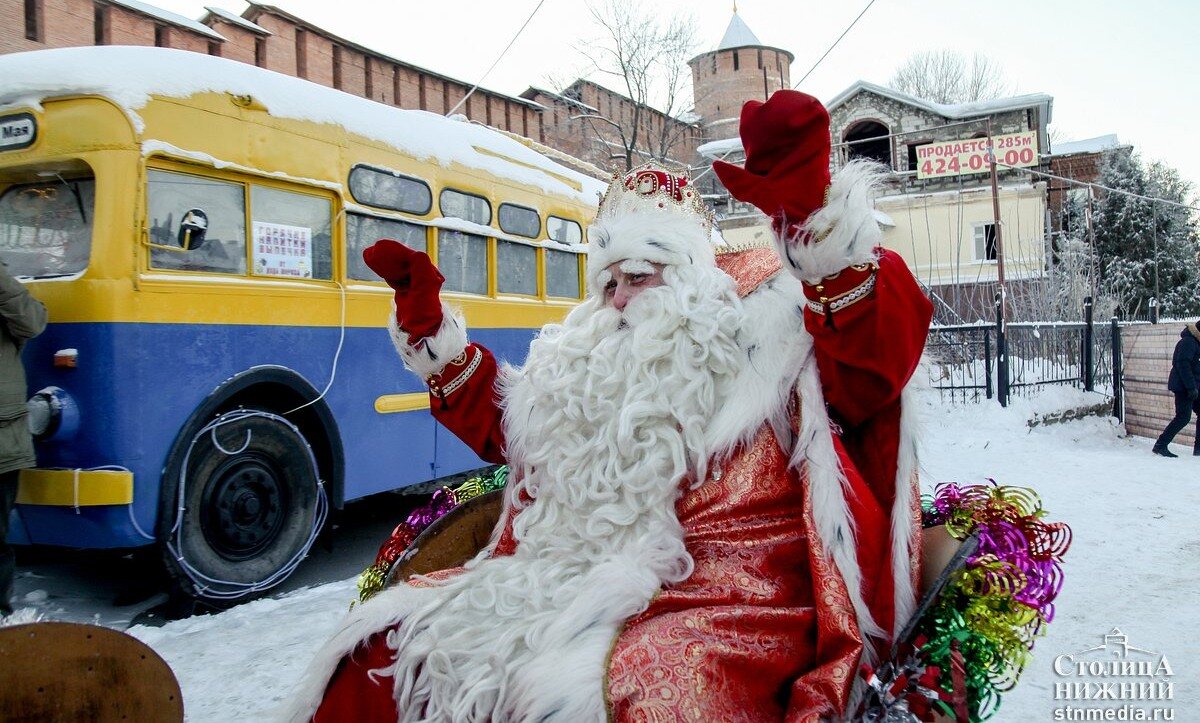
x,y
463,397
868,325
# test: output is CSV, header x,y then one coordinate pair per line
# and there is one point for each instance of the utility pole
x,y
996,222
1001,297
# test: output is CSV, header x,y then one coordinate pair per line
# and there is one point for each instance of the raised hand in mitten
x,y
416,281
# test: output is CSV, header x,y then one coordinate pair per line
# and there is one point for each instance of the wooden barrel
x,y
452,539
75,672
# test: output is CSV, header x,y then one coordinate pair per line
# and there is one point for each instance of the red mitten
x,y
416,282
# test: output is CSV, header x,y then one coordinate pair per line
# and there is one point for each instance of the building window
x,y
301,54
396,85
100,24
912,153
368,84
421,92
985,242
33,20
736,65
260,52
760,65
869,139
214,49
162,39
337,67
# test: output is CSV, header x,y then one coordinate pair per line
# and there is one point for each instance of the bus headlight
x,y
52,414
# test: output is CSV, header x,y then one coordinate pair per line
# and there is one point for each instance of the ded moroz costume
x,y
712,508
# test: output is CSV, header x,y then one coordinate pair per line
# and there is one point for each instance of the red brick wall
x,y
71,23
719,96
239,43
1149,405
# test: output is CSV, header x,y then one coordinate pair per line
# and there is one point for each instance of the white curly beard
x,y
603,423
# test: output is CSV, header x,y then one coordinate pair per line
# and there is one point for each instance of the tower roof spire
x,y
737,35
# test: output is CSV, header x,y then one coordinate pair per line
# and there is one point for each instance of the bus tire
x,y
249,504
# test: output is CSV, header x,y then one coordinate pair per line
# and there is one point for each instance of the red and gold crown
x,y
650,214
651,187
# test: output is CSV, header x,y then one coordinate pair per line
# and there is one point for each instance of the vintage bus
x,y
216,373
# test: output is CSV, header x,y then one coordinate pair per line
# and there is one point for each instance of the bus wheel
x,y
251,506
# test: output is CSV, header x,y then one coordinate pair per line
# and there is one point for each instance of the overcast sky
x,y
1112,66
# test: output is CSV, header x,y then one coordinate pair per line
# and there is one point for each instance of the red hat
x,y
787,145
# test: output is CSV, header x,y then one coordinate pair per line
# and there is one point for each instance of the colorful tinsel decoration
x,y
1001,601
372,580
974,640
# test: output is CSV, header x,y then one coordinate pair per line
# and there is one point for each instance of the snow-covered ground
x,y
1134,565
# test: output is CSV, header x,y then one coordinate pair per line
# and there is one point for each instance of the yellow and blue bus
x,y
216,372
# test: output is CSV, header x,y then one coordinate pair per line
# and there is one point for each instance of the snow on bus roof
x,y
128,76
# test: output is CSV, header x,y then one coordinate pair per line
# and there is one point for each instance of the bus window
x,y
169,196
362,231
519,221
385,189
516,267
468,207
563,231
291,233
562,274
46,228
462,259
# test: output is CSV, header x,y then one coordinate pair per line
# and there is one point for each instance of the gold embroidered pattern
x,y
729,643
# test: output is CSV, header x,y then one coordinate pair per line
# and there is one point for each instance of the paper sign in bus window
x,y
282,250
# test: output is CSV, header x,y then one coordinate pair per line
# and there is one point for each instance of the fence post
x,y
1153,310
1001,353
987,362
1089,331
1118,372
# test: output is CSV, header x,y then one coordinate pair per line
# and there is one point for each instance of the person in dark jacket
x,y
1185,383
21,317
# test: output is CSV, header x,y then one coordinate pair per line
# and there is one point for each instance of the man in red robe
x,y
712,504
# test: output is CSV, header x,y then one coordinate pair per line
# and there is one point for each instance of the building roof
x,y
533,91
737,35
954,111
235,19
168,17
1098,144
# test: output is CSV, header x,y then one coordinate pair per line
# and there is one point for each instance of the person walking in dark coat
x,y
22,317
1185,383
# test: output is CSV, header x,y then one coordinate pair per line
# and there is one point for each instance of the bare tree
x,y
944,76
645,56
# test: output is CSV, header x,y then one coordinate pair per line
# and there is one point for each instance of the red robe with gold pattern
x,y
765,628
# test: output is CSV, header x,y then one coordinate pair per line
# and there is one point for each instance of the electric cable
x,y
502,54
835,43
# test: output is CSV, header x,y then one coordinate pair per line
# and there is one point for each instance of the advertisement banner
x,y
281,250
955,158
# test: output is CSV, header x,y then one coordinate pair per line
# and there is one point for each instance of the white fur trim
x,y
904,527
431,354
846,226
775,343
650,235
379,613
828,486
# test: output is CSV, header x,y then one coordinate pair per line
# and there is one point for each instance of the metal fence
x,y
969,362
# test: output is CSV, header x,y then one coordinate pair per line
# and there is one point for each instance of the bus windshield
x,y
46,228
